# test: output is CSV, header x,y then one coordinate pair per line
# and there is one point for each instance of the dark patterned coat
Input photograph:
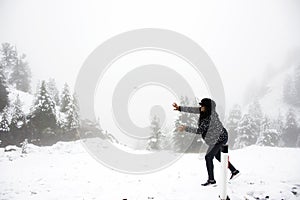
x,y
210,128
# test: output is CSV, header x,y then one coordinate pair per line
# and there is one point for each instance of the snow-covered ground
x,y
66,171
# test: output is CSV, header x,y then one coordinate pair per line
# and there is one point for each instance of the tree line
x,y
244,129
254,127
52,117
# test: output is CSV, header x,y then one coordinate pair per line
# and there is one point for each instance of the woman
x,y
213,133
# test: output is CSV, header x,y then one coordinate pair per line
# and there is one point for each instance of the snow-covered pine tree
x,y
232,121
9,58
76,112
3,90
290,130
65,98
5,62
21,75
181,140
246,132
18,121
297,86
298,139
265,123
279,125
268,135
72,115
69,120
4,123
154,141
256,115
53,91
165,139
18,117
289,90
43,116
5,134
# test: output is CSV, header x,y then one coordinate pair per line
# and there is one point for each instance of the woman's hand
x,y
176,107
181,128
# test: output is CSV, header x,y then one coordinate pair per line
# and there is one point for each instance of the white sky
x,y
242,38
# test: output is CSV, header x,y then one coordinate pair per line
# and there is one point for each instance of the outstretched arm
x,y
201,130
189,109
186,108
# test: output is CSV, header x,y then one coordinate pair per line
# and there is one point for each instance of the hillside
x,y
270,94
272,102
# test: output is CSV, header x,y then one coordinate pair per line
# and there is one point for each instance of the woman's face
x,y
202,109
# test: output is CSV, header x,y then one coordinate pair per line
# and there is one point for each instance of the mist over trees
x,y
166,139
250,128
54,115
233,119
257,129
51,118
291,88
15,67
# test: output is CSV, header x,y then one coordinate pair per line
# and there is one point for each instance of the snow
x,y
26,99
66,171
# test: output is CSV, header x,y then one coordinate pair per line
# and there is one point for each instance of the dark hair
x,y
210,105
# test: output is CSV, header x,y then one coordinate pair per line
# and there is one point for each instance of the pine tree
x,y
256,115
4,123
154,141
72,112
297,86
246,132
18,122
265,123
289,91
165,139
43,116
279,125
5,134
264,126
268,135
279,122
4,63
53,91
290,134
3,91
65,98
69,121
233,119
298,139
18,117
181,140
9,58
20,75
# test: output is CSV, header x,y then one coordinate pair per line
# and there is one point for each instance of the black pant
x,y
214,151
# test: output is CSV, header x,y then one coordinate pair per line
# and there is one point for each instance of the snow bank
x,y
66,171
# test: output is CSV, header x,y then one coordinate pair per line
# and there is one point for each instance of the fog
x,y
247,40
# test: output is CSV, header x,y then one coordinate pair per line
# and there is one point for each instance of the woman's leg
x,y
230,166
210,154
